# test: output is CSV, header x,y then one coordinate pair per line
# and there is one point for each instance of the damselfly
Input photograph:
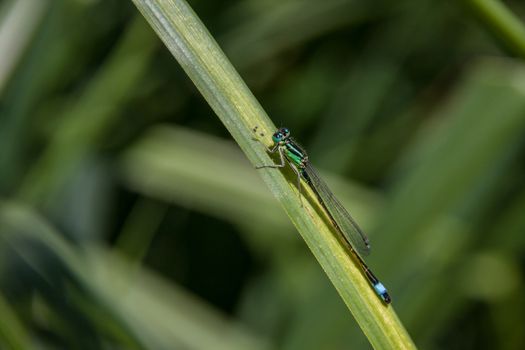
x,y
358,244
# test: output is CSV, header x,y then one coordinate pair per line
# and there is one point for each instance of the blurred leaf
x,y
13,334
130,306
20,19
442,168
49,64
270,28
506,26
92,116
139,229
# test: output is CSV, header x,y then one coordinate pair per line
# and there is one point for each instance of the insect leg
x,y
281,154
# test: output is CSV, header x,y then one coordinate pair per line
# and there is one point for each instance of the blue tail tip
x,y
382,292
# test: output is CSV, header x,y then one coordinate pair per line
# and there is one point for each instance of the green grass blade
x,y
212,73
506,25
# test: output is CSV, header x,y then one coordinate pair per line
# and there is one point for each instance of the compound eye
x,y
285,132
277,136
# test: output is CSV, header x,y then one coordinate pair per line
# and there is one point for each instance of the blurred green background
x,y
130,220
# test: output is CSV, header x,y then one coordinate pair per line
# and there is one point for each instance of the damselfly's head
x,y
281,135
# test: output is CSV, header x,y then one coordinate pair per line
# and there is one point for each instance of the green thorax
x,y
295,153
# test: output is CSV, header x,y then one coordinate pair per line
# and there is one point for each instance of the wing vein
x,y
337,212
